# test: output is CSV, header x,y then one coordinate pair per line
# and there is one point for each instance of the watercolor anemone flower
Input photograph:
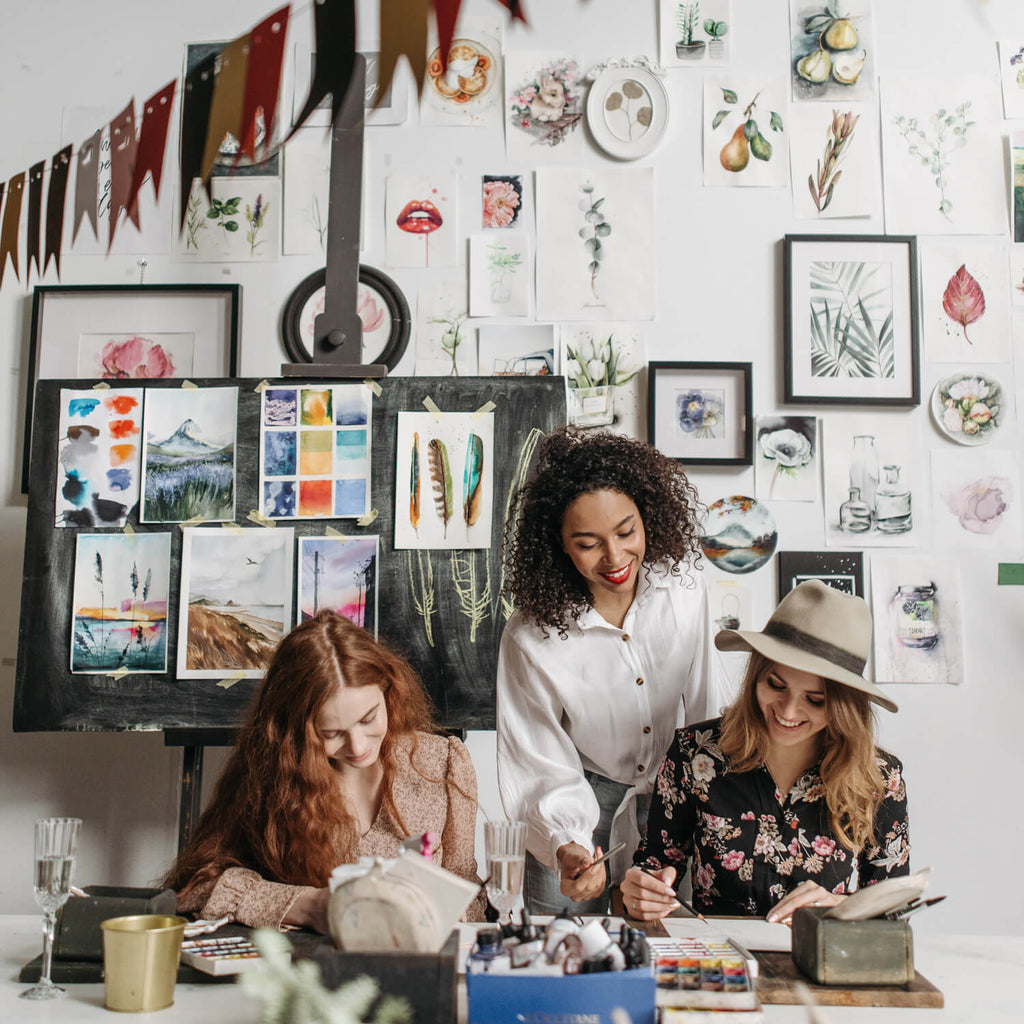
x,y
788,449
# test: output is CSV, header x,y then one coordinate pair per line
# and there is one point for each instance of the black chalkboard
x,y
456,662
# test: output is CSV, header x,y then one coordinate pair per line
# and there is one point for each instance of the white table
x,y
981,978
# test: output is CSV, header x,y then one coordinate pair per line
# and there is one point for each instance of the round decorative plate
x,y
627,111
380,304
739,534
967,407
469,77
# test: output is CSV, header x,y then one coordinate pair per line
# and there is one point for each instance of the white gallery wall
x,y
719,289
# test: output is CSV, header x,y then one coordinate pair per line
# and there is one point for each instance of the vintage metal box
x,y
871,952
78,935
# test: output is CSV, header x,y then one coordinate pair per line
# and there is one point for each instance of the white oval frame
x,y
610,79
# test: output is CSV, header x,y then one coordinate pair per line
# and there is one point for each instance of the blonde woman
x,y
785,801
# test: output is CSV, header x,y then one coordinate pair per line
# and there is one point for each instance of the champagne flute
x,y
56,844
505,849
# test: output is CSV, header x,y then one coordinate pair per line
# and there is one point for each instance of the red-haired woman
x,y
339,759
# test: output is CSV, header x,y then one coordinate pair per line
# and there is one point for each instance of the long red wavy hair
x,y
277,807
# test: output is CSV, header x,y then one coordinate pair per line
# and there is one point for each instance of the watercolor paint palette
x,y
704,982
229,954
690,946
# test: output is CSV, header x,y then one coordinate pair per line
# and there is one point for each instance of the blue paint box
x,y
515,998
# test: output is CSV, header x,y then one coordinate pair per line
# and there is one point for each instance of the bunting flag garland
x,y
404,30
195,117
86,182
263,79
334,27
515,8
9,228
123,144
32,218
226,103
447,14
149,153
59,167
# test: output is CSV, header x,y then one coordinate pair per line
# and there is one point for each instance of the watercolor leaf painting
x,y
851,319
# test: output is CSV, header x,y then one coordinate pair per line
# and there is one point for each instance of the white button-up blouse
x,y
603,699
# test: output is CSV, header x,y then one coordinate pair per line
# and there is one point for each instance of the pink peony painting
x,y
502,200
135,356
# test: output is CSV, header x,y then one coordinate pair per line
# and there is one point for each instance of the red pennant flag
x,y
33,217
226,103
59,167
9,228
447,14
86,182
263,79
123,144
404,30
515,8
335,40
149,154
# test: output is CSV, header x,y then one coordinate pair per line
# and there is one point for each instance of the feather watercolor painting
x,y
444,492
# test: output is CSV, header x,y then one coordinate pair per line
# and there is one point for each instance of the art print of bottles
x,y
892,503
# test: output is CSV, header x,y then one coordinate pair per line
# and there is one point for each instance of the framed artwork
x,y
700,413
627,108
130,332
843,570
851,324
380,304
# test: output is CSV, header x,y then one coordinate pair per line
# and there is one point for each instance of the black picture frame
x,y
695,440
841,352
843,570
62,313
296,318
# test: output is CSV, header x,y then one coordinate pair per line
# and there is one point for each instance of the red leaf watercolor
x,y
963,300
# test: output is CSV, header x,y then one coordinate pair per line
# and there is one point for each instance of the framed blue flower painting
x,y
700,413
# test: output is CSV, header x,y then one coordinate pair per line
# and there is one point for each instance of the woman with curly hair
x,y
780,800
607,651
339,759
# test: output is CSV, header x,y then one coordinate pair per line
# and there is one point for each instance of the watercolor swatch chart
x,y
315,451
98,458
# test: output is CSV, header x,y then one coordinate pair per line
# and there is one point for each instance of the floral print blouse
x,y
751,844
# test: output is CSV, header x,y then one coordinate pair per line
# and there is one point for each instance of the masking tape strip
x,y
256,516
128,531
188,385
373,386
233,527
194,521
483,410
431,406
367,519
119,673
332,532
262,386
226,684
101,386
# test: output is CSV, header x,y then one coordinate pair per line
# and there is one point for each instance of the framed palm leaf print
x,y
851,331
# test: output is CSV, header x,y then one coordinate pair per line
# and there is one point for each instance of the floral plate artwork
x,y
967,407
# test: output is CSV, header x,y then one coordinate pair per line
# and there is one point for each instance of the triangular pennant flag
x,y
9,229
59,167
447,14
263,79
335,31
195,116
33,217
226,104
515,9
86,180
149,154
123,144
404,30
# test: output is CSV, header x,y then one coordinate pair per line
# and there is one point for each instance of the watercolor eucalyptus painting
x,y
189,455
236,600
119,619
339,573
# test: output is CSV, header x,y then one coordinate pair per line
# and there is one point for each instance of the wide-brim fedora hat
x,y
817,629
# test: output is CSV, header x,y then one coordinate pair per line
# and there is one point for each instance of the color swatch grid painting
x,y
315,451
119,608
98,460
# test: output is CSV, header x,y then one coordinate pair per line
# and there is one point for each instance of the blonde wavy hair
x,y
853,782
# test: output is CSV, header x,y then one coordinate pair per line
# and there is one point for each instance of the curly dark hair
x,y
540,578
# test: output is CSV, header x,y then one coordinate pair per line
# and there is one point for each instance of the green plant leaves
x,y
729,96
719,118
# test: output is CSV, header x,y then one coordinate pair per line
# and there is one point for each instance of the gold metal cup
x,y
140,961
